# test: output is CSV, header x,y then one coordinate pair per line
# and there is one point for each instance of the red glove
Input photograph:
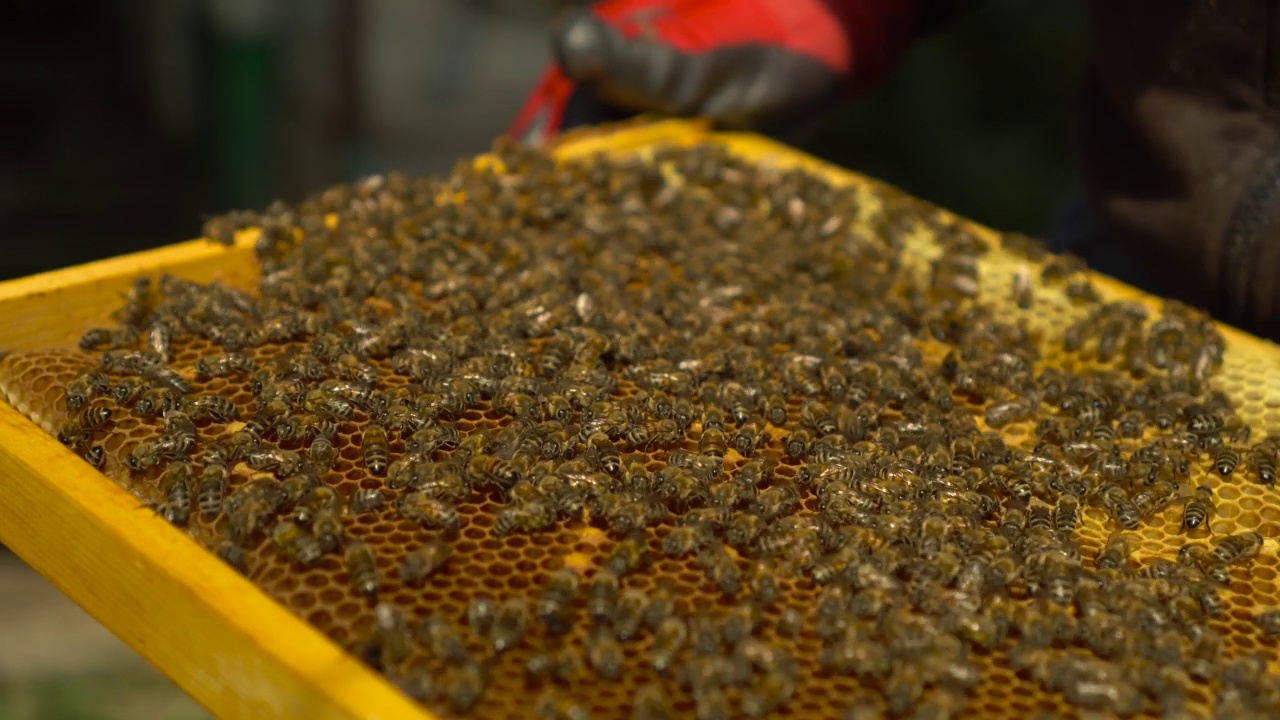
x,y
766,65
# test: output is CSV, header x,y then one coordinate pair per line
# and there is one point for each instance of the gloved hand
x,y
772,66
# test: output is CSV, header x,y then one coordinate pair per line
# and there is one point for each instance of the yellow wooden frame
x,y
213,632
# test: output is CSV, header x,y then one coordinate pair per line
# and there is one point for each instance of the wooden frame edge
x,y
233,648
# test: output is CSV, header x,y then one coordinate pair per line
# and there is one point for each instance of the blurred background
x,y
128,121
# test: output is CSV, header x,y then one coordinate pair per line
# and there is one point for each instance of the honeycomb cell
x,y
629,292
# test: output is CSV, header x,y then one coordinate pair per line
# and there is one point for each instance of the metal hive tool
x,y
803,385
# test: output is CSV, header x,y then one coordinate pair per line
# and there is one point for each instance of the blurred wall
x,y
130,119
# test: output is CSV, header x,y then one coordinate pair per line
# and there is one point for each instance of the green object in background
x,y
978,118
243,75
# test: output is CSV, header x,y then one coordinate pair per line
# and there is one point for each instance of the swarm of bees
x,y
803,473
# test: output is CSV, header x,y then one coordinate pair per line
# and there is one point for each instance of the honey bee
x,y
684,540
721,569
555,601
603,454
317,500
650,703
428,511
1264,462
481,612
466,683
327,404
224,364
85,387
367,500
1199,509
212,489
233,554
713,419
376,450
767,695
214,407
1115,554
552,705
604,654
296,543
797,444
361,566
776,501
1268,621
602,596
629,554
179,477
1238,548
282,463
425,561
509,625
108,338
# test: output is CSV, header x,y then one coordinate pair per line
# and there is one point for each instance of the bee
x,y
603,453
481,612
1066,513
552,705
176,488
1132,424
1115,554
108,338
556,407
604,654
721,569
713,419
1022,290
1268,621
367,500
1199,509
212,489
768,694
391,634
223,364
466,683
748,438
127,390
684,540
650,703
776,501
214,407
1238,548
1264,462
797,444
96,456
561,664
441,639
320,499
556,599
1211,602
422,563
296,543
428,511
233,554
602,596
321,454
328,404
282,463
775,410
94,417
1226,460
531,516
669,637
86,386
376,450
509,625
361,566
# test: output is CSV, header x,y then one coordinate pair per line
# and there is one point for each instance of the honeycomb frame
x,y
1243,372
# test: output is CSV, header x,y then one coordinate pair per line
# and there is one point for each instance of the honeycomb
x,y
683,434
